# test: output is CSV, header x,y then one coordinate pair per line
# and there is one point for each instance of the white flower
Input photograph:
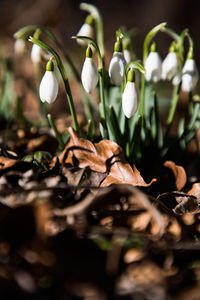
x,y
36,54
85,30
170,66
89,75
48,87
130,99
117,68
190,75
19,46
177,78
153,67
127,55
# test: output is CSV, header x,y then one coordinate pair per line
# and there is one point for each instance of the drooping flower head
x,y
19,46
86,30
153,65
117,64
190,74
89,75
130,96
171,65
48,90
36,51
127,50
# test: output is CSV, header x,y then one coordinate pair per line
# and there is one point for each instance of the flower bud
x,y
127,55
190,75
36,54
48,90
36,51
86,30
19,46
171,65
153,65
89,75
130,97
117,64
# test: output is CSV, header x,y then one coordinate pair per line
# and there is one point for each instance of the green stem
x,y
64,77
57,134
173,107
103,103
142,96
101,78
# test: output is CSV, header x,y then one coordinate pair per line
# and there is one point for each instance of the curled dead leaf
x,y
6,162
195,190
104,157
179,174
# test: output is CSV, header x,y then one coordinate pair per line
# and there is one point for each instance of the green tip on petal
x,y
89,20
89,52
153,47
190,53
118,45
50,65
131,75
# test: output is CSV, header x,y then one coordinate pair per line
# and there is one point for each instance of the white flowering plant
x,y
129,110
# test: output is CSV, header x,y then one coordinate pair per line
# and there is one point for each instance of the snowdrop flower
x,y
117,64
171,64
153,65
86,30
36,51
19,46
190,73
48,90
127,50
89,75
130,97
177,78
36,54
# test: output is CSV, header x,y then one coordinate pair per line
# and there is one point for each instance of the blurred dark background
x,y
65,18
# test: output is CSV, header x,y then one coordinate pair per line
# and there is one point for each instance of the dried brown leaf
x,y
104,157
179,174
195,190
6,162
186,203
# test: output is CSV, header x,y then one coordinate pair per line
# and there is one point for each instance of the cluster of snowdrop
x,y
171,68
116,73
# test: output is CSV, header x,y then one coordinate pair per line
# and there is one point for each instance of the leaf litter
x,y
91,219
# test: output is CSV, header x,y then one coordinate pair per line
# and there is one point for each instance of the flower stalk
x,y
64,77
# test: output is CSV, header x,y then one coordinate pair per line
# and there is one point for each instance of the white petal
x,y
190,75
89,75
187,83
153,67
36,53
177,79
127,55
116,68
85,30
130,99
170,66
19,46
48,87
